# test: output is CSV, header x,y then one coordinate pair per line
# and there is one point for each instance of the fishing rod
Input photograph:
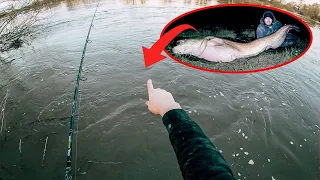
x,y
68,175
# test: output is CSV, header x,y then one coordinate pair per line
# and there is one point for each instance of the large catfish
x,y
221,50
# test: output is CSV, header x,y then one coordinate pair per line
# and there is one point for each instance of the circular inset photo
x,y
239,38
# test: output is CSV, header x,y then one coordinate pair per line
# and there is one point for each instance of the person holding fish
x,y
198,158
269,24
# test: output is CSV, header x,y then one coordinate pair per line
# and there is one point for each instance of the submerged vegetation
x,y
269,58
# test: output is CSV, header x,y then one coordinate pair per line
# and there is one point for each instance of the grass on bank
x,y
269,58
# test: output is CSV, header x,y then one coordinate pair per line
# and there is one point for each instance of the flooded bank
x,y
272,116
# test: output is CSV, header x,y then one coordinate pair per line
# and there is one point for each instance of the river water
x,y
271,118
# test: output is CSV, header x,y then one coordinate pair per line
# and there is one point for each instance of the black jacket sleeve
x,y
197,156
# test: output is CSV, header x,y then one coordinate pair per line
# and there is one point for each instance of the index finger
x,y
149,86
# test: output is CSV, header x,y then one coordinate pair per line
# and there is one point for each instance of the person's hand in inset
x,y
160,101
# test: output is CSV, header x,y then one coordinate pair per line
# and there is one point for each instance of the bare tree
x,y
17,23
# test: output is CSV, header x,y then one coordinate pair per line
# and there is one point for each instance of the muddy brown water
x,y
270,117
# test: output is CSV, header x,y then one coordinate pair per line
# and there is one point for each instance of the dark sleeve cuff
x,y
174,117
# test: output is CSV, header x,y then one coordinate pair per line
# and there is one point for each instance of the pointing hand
x,y
160,101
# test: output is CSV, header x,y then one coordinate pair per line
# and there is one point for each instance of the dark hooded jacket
x,y
265,30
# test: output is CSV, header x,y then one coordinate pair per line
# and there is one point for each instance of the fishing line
x,y
68,173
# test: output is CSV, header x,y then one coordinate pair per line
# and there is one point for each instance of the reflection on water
x,y
194,2
135,2
241,1
70,4
55,3
73,3
203,2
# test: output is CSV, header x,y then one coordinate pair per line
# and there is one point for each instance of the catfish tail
x,y
292,26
